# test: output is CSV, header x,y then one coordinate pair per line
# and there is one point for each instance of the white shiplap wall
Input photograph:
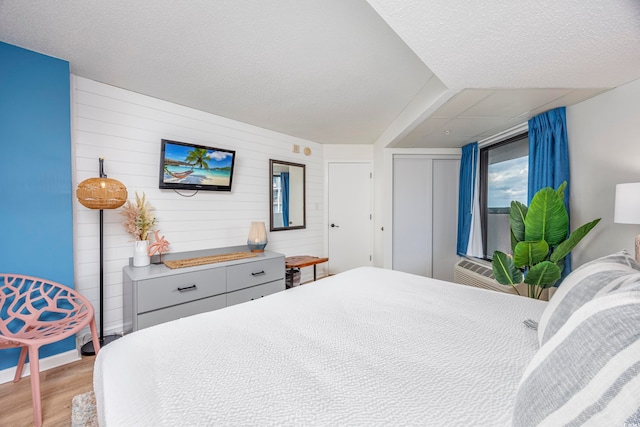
x,y
126,128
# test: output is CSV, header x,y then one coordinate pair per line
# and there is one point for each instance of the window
x,y
276,197
504,177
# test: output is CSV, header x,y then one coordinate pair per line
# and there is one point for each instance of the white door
x,y
350,220
412,214
446,174
425,215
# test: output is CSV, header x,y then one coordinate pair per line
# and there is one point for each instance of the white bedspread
x,y
365,347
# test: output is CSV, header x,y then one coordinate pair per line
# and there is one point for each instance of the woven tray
x,y
190,262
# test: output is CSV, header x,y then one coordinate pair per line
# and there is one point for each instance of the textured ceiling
x,y
521,43
335,71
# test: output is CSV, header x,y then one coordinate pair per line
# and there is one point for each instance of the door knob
x,y
333,225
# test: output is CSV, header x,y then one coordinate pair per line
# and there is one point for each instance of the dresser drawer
x,y
183,310
180,288
255,292
254,273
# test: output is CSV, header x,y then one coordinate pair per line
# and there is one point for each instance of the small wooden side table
x,y
300,261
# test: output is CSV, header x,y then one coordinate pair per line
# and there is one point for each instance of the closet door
x,y
425,215
412,214
446,173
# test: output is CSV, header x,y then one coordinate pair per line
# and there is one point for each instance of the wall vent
x,y
478,273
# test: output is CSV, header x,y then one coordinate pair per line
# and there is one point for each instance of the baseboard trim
x,y
6,375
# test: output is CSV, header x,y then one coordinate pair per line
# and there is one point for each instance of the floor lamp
x,y
101,193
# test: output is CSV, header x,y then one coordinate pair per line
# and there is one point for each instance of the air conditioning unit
x,y
478,273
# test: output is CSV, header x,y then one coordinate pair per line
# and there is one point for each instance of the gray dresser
x,y
157,294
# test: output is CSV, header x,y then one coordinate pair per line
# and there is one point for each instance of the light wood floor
x,y
58,386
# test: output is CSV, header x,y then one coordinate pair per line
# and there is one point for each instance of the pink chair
x,y
35,312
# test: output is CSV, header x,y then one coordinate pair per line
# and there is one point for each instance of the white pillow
x,y
589,281
589,371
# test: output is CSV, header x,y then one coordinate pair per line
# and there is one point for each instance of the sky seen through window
x,y
508,181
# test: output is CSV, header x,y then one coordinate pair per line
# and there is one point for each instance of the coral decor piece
x,y
160,246
139,218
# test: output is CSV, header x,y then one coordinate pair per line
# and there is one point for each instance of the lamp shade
x,y
257,236
101,193
627,203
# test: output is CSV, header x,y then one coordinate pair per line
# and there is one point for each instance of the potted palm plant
x,y
540,242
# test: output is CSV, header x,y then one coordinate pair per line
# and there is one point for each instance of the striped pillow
x,y
589,371
593,279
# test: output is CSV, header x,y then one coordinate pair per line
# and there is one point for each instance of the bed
x,y
366,347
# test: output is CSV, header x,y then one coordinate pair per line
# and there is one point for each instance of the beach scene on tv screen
x,y
193,165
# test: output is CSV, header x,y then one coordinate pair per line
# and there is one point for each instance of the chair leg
x,y
94,336
34,367
21,360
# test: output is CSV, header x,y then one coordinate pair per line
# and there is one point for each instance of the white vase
x,y
141,256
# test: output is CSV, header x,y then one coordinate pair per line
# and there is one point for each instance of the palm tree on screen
x,y
198,157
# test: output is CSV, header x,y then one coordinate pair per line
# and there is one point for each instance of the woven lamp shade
x,y
101,193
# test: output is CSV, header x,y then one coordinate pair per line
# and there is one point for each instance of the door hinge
x,y
370,217
370,175
370,258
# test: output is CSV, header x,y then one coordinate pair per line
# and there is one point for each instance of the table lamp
x,y
257,239
627,208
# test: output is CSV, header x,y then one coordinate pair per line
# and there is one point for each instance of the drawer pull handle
x,y
259,273
188,288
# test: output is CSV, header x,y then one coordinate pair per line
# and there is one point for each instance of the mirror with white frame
x,y
287,187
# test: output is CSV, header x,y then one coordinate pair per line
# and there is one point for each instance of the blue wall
x,y
36,235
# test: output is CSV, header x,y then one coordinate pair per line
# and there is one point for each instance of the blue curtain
x,y
468,167
549,152
284,182
549,157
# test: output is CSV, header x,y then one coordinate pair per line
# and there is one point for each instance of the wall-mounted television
x,y
185,166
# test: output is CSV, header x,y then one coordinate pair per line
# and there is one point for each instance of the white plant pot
x,y
141,256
